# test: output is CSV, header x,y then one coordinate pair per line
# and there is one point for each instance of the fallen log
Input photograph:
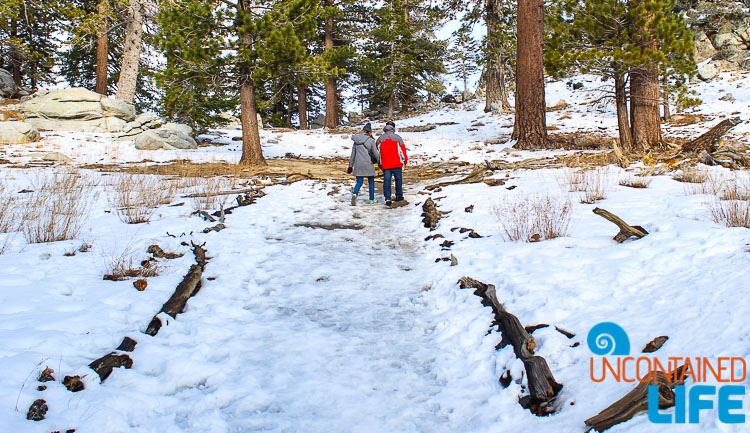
x,y
476,176
707,140
636,401
187,288
626,230
542,386
104,365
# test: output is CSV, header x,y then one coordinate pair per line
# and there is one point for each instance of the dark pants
x,y
370,185
398,174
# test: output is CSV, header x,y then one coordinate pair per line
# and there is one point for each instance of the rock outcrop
x,y
8,87
169,136
76,110
15,132
150,132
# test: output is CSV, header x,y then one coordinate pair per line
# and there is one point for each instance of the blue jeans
x,y
370,185
398,174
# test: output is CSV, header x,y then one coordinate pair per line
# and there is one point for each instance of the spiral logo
x,y
608,338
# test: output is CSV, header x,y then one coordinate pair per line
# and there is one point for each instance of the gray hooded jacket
x,y
364,155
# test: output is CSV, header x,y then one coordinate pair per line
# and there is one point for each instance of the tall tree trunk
x,y
494,70
623,121
102,51
290,105
15,55
530,127
391,104
644,106
332,109
302,105
645,91
131,52
252,152
665,99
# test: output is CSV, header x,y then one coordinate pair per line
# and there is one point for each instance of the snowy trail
x,y
304,329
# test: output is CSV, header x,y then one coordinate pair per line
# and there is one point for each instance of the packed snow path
x,y
303,329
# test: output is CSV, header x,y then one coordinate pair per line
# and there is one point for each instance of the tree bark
x,y
644,107
530,127
15,55
332,109
665,100
494,70
623,121
252,152
131,52
290,106
102,51
302,105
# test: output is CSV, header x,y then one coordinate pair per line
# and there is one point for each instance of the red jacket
x,y
392,149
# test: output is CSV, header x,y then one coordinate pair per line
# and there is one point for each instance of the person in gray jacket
x,y
364,155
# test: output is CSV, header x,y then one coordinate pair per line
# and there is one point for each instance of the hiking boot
x,y
354,199
373,202
388,203
400,198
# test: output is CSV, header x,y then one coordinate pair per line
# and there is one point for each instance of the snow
x,y
303,324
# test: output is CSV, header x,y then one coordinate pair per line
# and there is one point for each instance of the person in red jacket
x,y
392,160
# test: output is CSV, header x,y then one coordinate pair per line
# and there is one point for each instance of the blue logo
x,y
608,338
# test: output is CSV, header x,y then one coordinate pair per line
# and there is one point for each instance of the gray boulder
x,y
8,87
77,110
707,71
15,132
318,121
169,136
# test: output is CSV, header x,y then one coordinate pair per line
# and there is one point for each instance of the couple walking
x,y
388,151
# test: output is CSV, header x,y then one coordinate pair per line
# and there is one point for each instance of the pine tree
x,y
207,59
403,56
27,42
464,55
617,40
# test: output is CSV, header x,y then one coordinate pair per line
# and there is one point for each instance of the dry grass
x,y
730,213
636,181
591,185
736,188
123,265
533,218
730,203
8,207
698,181
136,197
206,195
58,207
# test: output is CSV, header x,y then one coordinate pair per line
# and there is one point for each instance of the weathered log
x,y
104,365
543,388
636,401
476,176
707,140
626,230
127,345
187,288
655,344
